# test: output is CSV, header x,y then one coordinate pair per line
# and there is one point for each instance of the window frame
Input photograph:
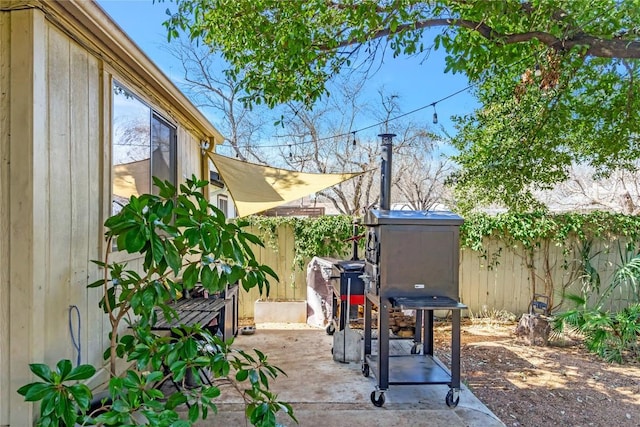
x,y
154,115
223,198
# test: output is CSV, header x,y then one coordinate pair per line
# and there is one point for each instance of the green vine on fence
x,y
325,236
328,235
528,230
531,236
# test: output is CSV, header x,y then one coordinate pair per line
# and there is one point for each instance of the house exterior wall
x,y
5,91
55,184
27,217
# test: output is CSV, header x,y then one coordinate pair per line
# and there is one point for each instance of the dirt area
x,y
560,384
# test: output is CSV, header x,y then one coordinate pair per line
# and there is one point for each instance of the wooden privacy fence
x,y
502,280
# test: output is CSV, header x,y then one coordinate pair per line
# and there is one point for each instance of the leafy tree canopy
x,y
557,80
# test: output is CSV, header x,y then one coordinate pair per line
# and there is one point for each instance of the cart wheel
x,y
451,403
379,401
330,329
414,349
365,370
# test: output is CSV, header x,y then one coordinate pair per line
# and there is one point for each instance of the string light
x,y
538,71
370,126
432,104
290,152
354,138
435,114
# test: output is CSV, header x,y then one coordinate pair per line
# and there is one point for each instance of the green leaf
x,y
82,395
190,276
81,372
42,371
179,369
96,284
206,277
154,376
211,392
65,410
35,391
236,274
157,248
134,241
269,271
175,400
242,375
49,403
190,348
194,413
173,257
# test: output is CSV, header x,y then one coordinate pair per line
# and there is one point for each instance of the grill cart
x,y
411,263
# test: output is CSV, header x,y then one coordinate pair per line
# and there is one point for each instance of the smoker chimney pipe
x,y
385,172
355,239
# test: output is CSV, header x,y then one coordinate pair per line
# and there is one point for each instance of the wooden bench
x,y
191,311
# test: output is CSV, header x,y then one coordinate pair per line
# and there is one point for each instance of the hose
x,y
74,340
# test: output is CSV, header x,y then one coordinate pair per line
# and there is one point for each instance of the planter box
x,y
280,312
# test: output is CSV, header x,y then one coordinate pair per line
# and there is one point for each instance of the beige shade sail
x,y
256,188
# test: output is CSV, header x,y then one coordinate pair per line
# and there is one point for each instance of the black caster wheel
x,y
451,402
415,349
365,370
379,401
330,329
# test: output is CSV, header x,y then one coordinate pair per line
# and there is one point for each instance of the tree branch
x,y
596,46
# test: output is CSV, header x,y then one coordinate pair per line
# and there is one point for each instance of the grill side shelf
x,y
426,302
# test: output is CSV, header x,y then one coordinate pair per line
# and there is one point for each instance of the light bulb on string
x,y
354,138
435,115
538,71
290,152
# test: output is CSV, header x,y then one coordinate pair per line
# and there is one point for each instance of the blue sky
x,y
417,84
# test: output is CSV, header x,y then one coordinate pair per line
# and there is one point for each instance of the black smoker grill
x,y
411,262
342,273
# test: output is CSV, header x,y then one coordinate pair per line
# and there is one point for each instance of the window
x,y
163,150
144,145
223,205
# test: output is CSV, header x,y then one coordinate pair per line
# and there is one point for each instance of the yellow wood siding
x,y
73,197
28,209
189,155
5,93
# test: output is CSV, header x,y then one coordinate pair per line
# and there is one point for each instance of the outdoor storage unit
x,y
412,262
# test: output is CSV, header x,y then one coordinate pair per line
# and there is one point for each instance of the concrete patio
x,y
324,392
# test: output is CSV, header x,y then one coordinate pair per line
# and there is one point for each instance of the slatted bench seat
x,y
191,311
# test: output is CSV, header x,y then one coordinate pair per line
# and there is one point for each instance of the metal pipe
x,y
356,238
385,172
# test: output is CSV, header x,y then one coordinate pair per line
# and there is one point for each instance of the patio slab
x,y
327,393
